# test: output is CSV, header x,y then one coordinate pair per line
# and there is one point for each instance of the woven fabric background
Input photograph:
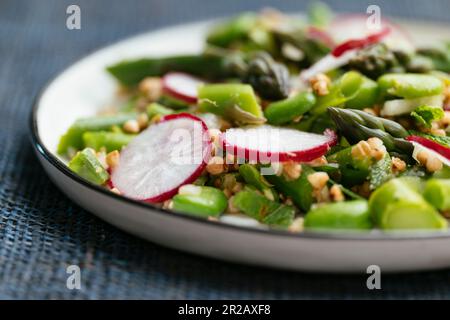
x,y
41,231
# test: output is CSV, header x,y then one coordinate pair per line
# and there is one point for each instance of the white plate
x,y
85,87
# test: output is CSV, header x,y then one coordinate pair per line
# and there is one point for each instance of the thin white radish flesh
x,y
404,106
342,54
439,151
162,158
181,86
273,144
354,26
327,63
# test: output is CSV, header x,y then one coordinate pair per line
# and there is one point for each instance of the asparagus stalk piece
x,y
437,192
356,125
340,215
200,201
398,205
287,110
270,79
109,140
237,102
87,166
131,72
73,138
154,109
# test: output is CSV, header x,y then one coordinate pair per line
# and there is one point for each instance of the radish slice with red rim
x,y
162,158
360,43
273,144
355,26
442,152
181,86
342,54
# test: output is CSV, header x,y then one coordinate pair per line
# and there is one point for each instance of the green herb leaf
x,y
257,206
380,172
425,115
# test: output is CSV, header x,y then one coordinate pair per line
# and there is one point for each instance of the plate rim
x,y
41,149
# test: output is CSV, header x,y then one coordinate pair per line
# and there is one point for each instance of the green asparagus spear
x,y
237,102
73,138
340,215
284,111
437,192
200,201
86,165
374,61
270,79
154,109
130,73
109,140
398,205
357,125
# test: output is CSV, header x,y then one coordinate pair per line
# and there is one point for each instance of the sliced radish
x,y
342,54
162,158
327,63
273,144
181,86
442,152
360,43
355,26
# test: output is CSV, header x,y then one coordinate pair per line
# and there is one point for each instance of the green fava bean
x,y
340,215
200,201
367,95
410,86
437,192
287,110
86,165
398,204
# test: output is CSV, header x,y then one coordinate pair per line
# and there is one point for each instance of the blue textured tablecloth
x,y
41,231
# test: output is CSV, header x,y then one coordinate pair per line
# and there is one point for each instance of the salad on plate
x,y
323,123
